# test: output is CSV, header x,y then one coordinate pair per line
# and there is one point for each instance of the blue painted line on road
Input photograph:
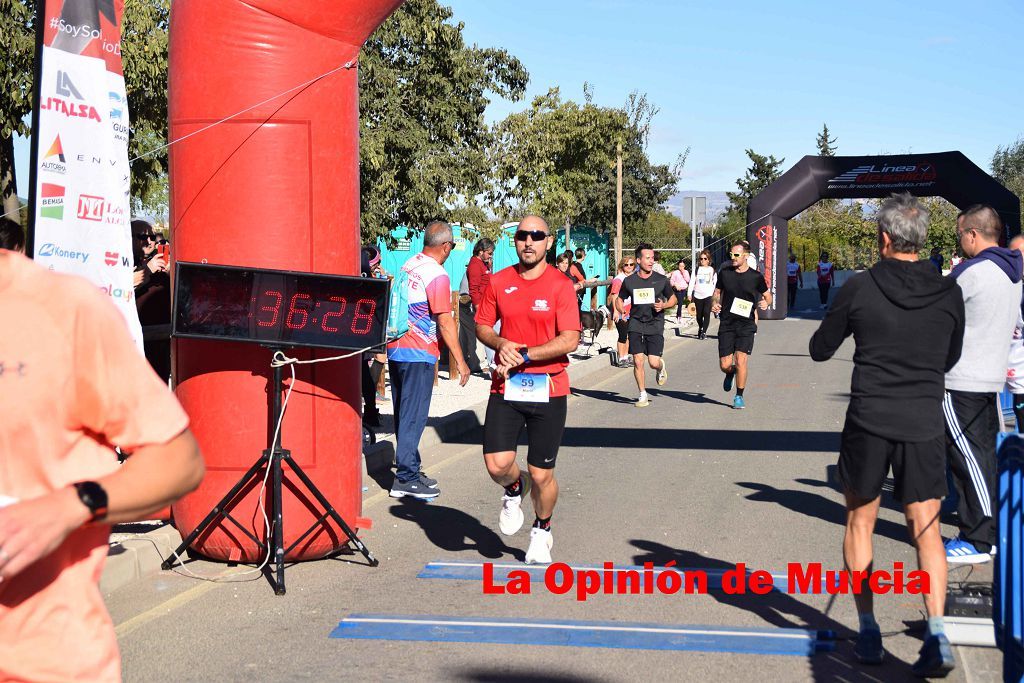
x,y
474,571
604,634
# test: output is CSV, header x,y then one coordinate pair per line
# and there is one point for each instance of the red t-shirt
x,y
532,312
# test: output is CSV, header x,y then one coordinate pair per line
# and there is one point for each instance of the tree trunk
x,y
8,186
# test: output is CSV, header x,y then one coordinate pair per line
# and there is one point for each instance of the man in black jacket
x,y
908,324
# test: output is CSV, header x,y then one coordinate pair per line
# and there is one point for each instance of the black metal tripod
x,y
274,457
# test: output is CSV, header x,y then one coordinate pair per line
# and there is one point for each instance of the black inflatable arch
x,y
949,175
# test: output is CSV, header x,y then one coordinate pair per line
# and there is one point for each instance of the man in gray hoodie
x,y
990,279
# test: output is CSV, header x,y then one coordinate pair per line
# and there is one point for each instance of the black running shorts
x,y
736,335
544,424
918,467
647,344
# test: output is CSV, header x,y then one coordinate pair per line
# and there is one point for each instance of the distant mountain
x,y
718,202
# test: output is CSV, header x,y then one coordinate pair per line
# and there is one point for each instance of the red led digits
x,y
275,309
293,311
334,314
363,317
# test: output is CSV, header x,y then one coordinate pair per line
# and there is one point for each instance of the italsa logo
x,y
922,172
51,204
66,90
54,160
51,250
90,207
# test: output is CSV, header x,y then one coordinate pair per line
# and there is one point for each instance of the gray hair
x,y
905,221
437,233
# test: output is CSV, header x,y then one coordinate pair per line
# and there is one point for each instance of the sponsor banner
x,y
901,176
767,258
82,216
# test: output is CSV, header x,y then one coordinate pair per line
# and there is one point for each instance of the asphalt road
x,y
687,479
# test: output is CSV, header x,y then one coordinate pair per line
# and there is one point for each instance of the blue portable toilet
x,y
595,263
505,247
408,243
465,237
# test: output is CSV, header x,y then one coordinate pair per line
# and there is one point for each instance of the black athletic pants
x,y
703,313
467,336
823,288
972,423
791,293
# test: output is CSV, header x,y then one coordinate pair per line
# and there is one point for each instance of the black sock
x,y
515,488
544,524
739,391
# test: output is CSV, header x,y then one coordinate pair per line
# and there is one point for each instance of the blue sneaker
x,y
868,648
935,659
737,402
959,551
727,382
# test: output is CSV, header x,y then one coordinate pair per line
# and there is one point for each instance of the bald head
x,y
532,222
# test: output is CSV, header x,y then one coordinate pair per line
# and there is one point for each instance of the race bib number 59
x,y
527,387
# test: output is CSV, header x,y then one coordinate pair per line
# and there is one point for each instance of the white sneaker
x,y
539,551
510,519
662,374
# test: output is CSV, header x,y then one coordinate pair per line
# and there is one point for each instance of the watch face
x,y
93,496
279,308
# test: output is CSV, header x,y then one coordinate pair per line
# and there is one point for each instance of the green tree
x,y
763,171
661,228
423,140
826,145
1008,167
144,53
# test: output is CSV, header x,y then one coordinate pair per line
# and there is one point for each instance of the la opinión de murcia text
x,y
561,579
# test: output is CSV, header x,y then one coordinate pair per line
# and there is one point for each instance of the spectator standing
x,y
657,267
152,297
1015,371
702,290
627,265
478,274
579,272
895,414
411,358
990,279
936,259
680,281
826,278
372,362
794,279
74,387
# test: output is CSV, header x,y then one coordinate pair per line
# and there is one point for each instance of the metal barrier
x,y
1009,569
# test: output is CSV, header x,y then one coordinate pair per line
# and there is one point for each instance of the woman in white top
x,y
826,278
701,290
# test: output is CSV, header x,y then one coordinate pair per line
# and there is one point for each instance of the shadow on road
x,y
784,611
513,674
818,507
454,530
687,396
737,440
609,396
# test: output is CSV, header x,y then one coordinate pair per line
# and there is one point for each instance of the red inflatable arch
x,y
275,187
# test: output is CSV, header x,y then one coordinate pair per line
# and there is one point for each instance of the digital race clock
x,y
278,307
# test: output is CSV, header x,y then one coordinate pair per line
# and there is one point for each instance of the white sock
x,y
643,396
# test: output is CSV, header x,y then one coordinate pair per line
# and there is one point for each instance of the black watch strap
x,y
94,497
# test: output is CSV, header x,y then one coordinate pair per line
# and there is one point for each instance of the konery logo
x,y
51,250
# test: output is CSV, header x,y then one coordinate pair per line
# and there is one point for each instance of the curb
x,y
129,559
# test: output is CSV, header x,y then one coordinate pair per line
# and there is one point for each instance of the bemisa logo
x,y
90,207
51,204
871,174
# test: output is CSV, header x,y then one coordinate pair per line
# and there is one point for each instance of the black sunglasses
x,y
535,235
147,237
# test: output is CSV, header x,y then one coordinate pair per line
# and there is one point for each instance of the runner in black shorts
x,y
651,293
895,416
740,290
540,324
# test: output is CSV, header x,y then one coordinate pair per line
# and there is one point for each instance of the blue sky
x,y
887,77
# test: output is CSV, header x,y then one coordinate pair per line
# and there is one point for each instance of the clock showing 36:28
x,y
330,313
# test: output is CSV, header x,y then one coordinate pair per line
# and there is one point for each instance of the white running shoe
x,y
539,551
662,374
510,519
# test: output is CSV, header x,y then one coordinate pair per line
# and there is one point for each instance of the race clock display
x,y
279,308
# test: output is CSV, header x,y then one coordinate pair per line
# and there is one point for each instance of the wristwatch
x,y
526,356
94,497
